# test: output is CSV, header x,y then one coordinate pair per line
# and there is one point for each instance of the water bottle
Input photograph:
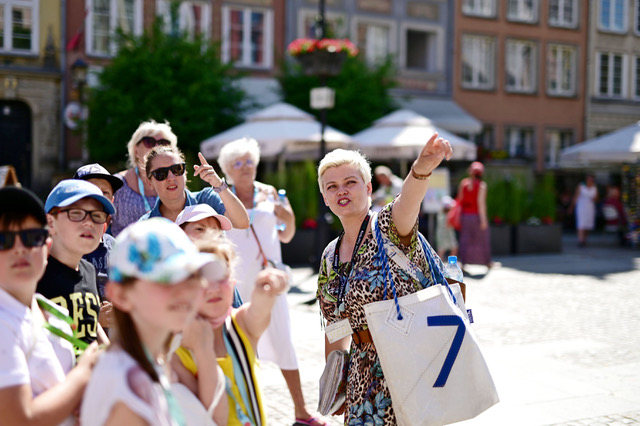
x,y
452,269
282,199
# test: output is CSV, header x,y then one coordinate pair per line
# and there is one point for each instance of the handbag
x,y
273,263
430,357
454,216
333,382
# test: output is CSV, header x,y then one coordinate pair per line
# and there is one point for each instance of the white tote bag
x,y
430,357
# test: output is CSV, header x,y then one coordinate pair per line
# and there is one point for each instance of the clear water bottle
x,y
452,269
282,199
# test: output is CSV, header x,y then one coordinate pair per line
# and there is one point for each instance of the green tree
x,y
162,77
362,92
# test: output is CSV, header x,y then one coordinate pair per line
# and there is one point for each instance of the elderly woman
x,y
166,169
255,247
344,282
137,195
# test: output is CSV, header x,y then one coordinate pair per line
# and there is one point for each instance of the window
x,y
485,139
522,10
105,17
192,18
19,26
561,70
484,8
556,140
636,77
637,17
375,38
610,75
612,15
521,58
334,24
422,49
247,36
563,13
520,142
478,59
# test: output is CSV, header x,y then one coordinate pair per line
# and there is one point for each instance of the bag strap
x,y
384,244
265,262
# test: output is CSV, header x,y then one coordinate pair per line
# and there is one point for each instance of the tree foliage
x,y
162,77
362,92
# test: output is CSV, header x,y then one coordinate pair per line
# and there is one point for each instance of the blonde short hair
x,y
339,157
149,128
236,149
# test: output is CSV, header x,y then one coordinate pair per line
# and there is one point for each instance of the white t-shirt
x,y
118,378
29,354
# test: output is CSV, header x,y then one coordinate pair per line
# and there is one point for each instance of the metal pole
x,y
321,234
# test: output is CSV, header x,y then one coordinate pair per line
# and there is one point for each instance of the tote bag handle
x,y
436,274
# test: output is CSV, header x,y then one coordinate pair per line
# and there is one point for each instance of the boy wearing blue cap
x,y
76,214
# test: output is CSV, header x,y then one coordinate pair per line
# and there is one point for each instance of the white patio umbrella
x,y
403,133
279,129
617,147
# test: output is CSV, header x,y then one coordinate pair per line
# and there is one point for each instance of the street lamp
x,y
79,77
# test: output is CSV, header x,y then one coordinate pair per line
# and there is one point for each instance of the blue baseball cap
x,y
158,250
69,191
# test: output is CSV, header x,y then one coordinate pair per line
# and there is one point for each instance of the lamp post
x,y
79,77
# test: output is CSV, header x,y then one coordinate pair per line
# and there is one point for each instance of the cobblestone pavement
x,y
560,332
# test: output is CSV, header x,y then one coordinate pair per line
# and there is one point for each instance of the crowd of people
x,y
128,299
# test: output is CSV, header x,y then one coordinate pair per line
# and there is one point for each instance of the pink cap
x,y
198,212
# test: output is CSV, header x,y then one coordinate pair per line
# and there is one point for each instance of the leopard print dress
x,y
368,398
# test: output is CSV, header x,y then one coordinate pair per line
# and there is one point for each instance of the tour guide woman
x,y
344,282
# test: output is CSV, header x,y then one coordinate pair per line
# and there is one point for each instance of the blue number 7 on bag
x,y
448,320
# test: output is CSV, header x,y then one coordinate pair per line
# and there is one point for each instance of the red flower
x,y
301,46
309,224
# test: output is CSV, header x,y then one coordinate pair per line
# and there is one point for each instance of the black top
x,y
75,291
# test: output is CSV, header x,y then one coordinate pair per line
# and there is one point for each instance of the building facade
x,y
613,89
30,87
519,67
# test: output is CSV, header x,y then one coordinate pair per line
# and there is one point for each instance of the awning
x,y
443,113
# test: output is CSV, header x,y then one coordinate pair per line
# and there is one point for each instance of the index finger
x,y
203,161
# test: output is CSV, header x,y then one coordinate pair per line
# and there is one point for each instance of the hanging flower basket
x,y
321,57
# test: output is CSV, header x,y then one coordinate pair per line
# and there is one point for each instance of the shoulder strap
x,y
265,262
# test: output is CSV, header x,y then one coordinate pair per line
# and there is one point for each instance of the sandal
x,y
311,421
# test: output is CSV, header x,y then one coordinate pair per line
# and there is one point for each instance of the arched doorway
x,y
15,138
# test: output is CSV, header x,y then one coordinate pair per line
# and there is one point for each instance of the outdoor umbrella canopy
x,y
279,129
619,146
402,135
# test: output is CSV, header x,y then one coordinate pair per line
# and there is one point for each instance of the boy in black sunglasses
x,y
38,382
76,214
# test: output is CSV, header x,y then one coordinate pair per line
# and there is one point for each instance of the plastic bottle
x,y
452,269
282,199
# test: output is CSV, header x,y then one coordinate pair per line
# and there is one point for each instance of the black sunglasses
x,y
78,215
150,142
161,173
30,238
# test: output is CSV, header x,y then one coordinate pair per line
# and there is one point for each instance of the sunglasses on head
x,y
30,238
161,173
150,142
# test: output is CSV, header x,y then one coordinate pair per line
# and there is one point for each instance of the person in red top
x,y
474,246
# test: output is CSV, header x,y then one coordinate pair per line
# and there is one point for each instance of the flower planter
x,y
538,238
501,240
322,62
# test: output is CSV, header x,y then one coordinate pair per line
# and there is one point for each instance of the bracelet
x,y
419,177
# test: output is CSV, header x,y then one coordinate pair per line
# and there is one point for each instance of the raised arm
x,y
284,213
407,205
235,211
254,317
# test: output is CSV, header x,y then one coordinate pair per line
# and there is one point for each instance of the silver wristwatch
x,y
222,187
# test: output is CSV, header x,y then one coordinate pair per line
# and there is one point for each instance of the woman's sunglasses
x,y
30,238
150,142
161,173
